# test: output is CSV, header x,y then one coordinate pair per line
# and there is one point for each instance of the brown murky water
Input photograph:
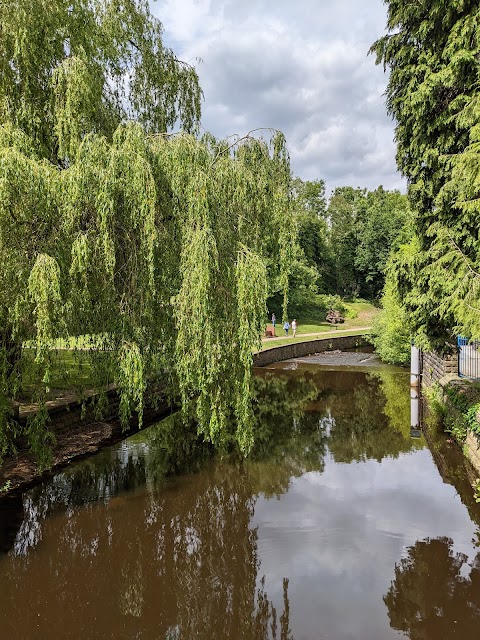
x,y
339,526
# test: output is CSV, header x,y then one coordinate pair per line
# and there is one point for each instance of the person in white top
x,y
294,327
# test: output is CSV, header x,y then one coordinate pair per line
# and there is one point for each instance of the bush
x,y
334,303
391,331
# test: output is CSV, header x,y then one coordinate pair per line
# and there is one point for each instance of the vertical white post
x,y
414,366
414,408
415,413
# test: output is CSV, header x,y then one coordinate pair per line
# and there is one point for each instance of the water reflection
x,y
11,518
435,593
174,554
156,538
175,563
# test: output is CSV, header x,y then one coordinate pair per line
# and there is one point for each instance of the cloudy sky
x,y
301,67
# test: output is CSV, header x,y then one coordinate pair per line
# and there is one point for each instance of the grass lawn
x,y
71,370
362,315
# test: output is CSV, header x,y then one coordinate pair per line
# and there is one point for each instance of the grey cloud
x,y
298,67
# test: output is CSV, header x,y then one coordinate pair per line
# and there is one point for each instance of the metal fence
x,y
468,358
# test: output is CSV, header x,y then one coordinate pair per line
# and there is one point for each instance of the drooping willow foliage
x,y
70,67
148,255
151,255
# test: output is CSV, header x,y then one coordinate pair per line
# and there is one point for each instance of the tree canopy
x,y
432,49
147,252
365,226
154,248
72,67
310,209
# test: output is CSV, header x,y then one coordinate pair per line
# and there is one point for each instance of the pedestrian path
x,y
320,334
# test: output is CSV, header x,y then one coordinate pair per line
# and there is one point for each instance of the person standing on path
x,y
274,322
286,326
294,327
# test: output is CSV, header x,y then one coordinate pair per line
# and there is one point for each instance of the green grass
x,y
80,343
70,372
362,312
360,305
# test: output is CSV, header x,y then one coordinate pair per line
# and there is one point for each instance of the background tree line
x,y
344,243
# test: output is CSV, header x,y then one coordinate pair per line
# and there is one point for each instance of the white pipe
x,y
414,409
414,366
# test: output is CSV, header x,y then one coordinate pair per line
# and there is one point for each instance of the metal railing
x,y
468,358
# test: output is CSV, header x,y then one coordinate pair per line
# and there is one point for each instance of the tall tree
x,y
155,246
309,195
310,209
343,213
157,249
384,223
432,51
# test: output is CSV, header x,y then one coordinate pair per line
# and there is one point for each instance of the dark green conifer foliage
x,y
433,51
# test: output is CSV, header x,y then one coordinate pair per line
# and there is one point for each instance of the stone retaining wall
x,y
78,433
456,395
67,415
302,349
436,367
472,450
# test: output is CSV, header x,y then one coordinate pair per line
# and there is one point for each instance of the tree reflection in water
x,y
435,593
374,423
154,538
176,563
176,557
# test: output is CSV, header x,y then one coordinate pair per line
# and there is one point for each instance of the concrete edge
x,y
307,348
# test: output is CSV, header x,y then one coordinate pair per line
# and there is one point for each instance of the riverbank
x,y
78,432
454,403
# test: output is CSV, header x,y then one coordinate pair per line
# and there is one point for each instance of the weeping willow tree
x,y
71,67
147,253
155,248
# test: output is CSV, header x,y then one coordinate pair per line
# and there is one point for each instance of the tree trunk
x,y
12,350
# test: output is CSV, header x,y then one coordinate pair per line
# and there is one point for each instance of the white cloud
x,y
300,67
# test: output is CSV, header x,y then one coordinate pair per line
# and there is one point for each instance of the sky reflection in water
x,y
338,526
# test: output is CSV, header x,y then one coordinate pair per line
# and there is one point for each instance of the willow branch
x,y
239,139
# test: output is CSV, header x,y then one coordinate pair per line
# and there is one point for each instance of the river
x,y
339,526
